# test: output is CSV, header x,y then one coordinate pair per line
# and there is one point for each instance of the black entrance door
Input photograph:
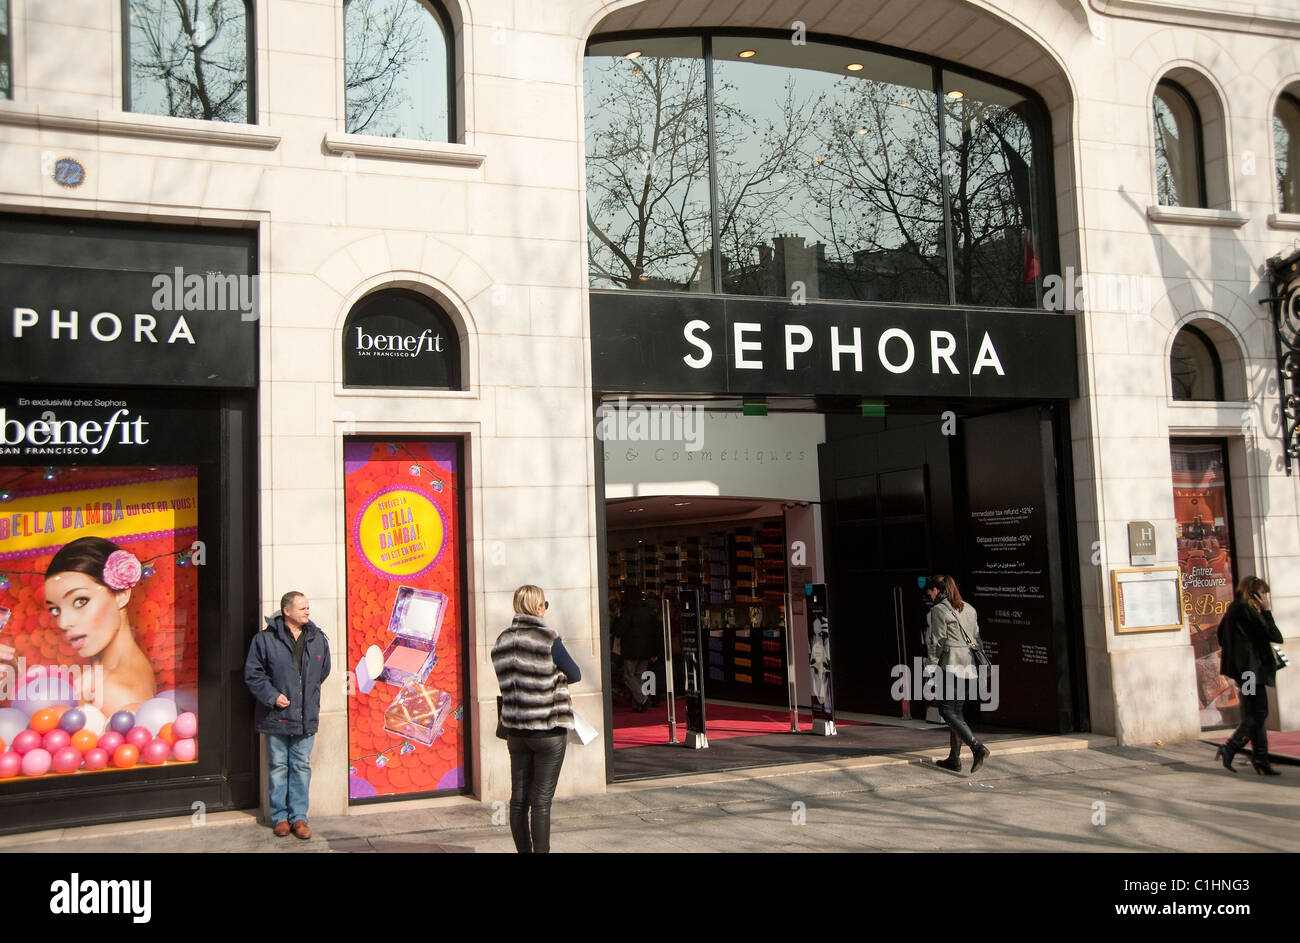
x,y
887,514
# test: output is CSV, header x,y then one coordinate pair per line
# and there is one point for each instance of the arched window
x,y
396,338
397,69
1194,367
188,59
1180,157
1286,149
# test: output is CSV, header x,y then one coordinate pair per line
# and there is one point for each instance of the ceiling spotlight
x,y
956,95
854,67
634,54
862,130
748,53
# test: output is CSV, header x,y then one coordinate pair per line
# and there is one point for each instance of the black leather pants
x,y
959,732
534,770
1254,715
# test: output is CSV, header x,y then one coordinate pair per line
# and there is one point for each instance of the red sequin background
x,y
375,755
164,608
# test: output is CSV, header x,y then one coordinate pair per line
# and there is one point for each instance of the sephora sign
x,y
681,344
100,304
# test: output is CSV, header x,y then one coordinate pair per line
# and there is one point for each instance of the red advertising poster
x,y
405,621
1201,518
98,619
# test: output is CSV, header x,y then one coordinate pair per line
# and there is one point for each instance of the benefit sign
x,y
405,620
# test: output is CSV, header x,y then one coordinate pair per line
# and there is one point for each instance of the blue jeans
x,y
290,776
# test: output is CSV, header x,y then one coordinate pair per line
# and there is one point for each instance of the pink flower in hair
x,y
121,570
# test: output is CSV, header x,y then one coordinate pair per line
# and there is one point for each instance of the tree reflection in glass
x,y
395,70
647,166
189,59
989,167
828,179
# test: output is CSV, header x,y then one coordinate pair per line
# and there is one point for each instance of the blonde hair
x,y
528,598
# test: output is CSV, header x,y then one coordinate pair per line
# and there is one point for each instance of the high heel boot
x,y
1259,756
953,760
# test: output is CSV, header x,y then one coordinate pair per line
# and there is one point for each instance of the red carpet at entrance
x,y
720,723
1284,743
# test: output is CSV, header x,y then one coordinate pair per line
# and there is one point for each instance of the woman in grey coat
x,y
953,630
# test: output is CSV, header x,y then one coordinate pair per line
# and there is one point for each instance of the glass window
x,y
818,167
6,83
396,70
1180,176
992,177
188,59
646,119
1194,367
827,173
1286,148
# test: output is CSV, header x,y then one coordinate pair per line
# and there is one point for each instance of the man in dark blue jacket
x,y
286,664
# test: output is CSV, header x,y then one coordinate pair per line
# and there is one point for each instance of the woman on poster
x,y
1246,635
534,672
88,585
954,631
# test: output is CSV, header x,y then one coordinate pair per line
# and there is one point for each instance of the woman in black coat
x,y
1246,635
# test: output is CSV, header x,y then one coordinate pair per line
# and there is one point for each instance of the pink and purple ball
x,y
67,760
185,750
186,725
122,722
111,741
138,737
27,741
36,762
155,752
73,719
11,764
56,740
96,759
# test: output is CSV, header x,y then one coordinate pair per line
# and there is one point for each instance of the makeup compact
x,y
417,712
415,624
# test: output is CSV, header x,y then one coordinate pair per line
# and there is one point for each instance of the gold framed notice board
x,y
1147,599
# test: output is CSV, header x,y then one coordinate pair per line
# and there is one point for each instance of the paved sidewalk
x,y
1042,794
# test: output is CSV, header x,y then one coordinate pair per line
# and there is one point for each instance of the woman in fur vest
x,y
534,672
1246,634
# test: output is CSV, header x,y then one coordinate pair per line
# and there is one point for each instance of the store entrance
x,y
763,506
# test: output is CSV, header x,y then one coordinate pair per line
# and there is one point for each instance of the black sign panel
x,y
398,338
692,660
1010,562
40,426
685,344
120,304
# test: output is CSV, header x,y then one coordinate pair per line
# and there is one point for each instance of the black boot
x,y
1228,751
1259,755
953,760
981,754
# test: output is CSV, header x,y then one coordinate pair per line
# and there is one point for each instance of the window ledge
x,y
432,152
1284,220
130,124
1196,216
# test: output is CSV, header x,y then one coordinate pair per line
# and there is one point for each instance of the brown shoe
x,y
281,829
301,829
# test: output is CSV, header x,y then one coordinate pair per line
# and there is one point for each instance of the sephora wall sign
x,y
95,303
397,338
684,344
